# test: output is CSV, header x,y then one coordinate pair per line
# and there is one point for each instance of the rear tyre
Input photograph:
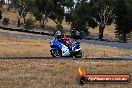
x,y
78,54
56,53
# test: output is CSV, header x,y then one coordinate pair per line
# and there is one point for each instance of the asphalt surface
x,y
122,57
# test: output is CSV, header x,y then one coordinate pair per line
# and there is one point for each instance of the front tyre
x,y
56,53
78,54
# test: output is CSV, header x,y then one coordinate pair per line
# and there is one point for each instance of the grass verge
x,y
58,73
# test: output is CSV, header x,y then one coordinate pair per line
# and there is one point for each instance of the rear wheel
x,y
78,54
56,53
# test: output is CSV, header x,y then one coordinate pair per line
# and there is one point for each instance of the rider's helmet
x,y
58,34
73,29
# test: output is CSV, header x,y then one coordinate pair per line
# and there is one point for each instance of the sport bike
x,y
59,49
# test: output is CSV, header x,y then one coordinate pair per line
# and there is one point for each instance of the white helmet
x,y
58,33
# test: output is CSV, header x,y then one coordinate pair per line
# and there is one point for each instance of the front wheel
x,y
56,52
78,54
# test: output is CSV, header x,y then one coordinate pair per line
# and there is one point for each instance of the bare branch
x,y
96,4
95,20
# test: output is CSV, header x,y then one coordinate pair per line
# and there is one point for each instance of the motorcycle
x,y
58,49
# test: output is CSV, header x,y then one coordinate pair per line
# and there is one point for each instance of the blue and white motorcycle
x,y
58,49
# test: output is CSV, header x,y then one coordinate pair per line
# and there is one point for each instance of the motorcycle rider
x,y
62,38
75,34
66,40
58,35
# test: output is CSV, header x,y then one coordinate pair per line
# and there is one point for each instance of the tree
x,y
123,19
2,2
41,10
92,13
79,16
52,9
57,13
0,14
101,14
21,9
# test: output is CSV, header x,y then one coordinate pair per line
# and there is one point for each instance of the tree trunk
x,y
101,31
55,21
42,23
124,38
18,23
24,19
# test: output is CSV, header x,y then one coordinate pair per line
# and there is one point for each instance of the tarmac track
x,y
68,58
